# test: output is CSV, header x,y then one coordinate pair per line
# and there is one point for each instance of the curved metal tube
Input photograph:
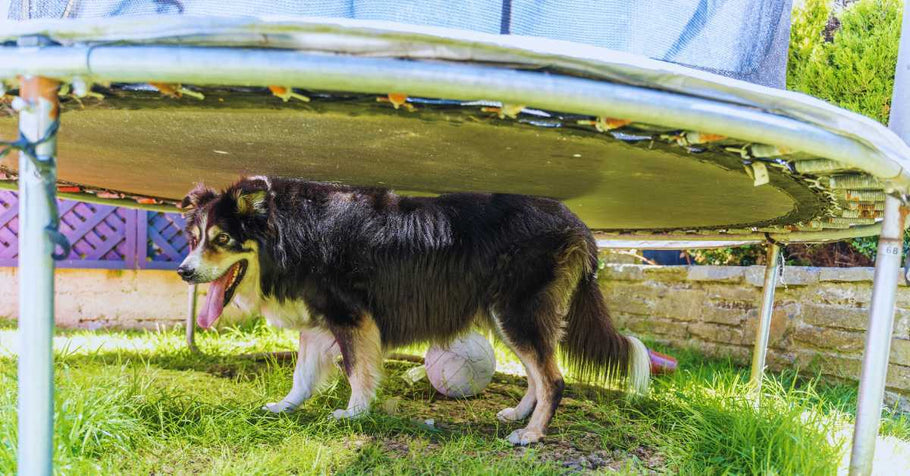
x,y
249,67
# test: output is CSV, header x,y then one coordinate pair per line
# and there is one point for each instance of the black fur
x,y
426,269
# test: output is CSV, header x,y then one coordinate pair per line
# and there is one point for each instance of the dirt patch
x,y
575,459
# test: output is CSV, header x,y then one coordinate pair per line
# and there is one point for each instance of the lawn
x,y
141,403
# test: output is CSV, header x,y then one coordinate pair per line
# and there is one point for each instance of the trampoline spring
x,y
818,166
507,110
766,150
397,100
692,137
865,206
742,151
286,94
605,124
864,195
855,182
858,213
813,225
176,90
850,221
832,225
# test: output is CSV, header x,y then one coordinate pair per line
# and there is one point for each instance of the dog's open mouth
x,y
220,293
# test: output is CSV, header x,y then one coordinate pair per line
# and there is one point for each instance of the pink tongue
x,y
214,303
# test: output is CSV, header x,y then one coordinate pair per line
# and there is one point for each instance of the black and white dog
x,y
362,270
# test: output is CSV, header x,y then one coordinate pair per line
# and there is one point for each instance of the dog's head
x,y
220,228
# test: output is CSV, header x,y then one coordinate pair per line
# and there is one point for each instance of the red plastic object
x,y
69,188
661,363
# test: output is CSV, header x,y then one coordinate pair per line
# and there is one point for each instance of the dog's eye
x,y
222,239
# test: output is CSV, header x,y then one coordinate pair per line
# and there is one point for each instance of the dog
x,y
359,271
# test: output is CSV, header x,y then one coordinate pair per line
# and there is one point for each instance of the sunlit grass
x,y
141,403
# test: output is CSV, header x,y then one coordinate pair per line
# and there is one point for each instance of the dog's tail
x,y
593,348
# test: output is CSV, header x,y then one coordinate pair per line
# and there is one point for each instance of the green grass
x,y
140,403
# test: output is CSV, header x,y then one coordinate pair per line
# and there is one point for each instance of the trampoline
x,y
658,133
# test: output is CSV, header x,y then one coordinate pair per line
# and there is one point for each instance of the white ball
x,y
462,368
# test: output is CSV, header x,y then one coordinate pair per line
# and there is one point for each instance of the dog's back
x,y
377,271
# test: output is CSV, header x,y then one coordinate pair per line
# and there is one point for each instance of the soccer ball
x,y
462,368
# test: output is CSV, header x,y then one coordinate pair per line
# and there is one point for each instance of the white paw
x,y
524,437
509,415
349,413
280,407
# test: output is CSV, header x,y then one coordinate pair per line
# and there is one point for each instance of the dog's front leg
x,y
316,356
361,349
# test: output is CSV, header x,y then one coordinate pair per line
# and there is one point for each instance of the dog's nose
x,y
186,272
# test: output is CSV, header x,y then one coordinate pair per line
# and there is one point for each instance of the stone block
x,y
849,294
621,272
634,301
665,273
898,378
902,323
855,318
791,276
783,318
659,328
900,352
846,275
715,332
843,342
739,354
727,274
829,364
799,276
725,312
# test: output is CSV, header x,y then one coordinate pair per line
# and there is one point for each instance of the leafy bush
x,y
846,57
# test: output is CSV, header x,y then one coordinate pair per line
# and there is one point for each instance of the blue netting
x,y
744,39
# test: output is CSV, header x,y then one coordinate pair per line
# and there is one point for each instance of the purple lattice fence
x,y
103,236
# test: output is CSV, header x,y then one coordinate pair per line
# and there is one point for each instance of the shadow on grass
x,y
683,426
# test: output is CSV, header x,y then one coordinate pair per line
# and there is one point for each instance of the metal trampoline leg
x,y
36,279
878,337
763,330
191,319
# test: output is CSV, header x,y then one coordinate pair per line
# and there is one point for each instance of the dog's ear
x,y
253,202
197,198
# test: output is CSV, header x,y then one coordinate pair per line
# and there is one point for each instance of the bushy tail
x,y
593,348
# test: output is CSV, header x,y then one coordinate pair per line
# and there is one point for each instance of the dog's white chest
x,y
292,314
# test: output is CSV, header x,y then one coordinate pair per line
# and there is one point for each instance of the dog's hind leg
x,y
530,314
528,401
316,356
549,390
545,387
524,329
361,349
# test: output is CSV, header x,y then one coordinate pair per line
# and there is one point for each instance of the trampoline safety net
x,y
742,39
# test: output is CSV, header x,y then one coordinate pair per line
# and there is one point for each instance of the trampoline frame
x,y
42,65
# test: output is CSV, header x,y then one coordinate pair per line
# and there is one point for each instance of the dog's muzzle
x,y
186,273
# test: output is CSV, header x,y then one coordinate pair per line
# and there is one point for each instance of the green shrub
x,y
846,57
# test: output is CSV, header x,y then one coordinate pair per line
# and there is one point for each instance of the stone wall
x,y
818,323
96,298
